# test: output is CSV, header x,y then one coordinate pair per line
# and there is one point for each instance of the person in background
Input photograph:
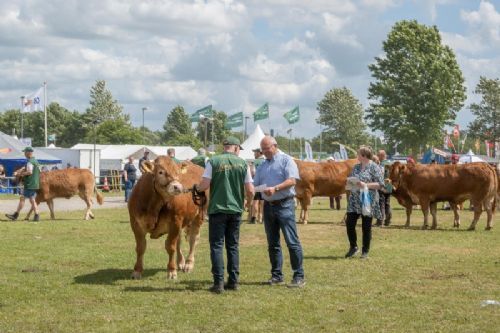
x,y
368,174
228,177
68,165
171,154
201,158
143,159
129,176
279,173
385,192
30,176
3,176
257,204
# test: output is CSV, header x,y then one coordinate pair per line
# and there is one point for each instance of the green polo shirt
x,y
175,160
32,182
227,186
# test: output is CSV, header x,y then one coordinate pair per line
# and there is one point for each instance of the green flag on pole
x,y
293,115
261,113
206,111
234,120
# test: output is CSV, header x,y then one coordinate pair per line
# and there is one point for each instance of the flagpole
x,y
22,117
45,109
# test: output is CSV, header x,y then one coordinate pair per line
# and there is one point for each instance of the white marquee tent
x,y
252,142
470,157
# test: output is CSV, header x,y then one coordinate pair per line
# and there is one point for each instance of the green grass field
x,y
70,275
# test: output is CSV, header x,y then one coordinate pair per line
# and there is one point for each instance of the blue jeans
x,y
224,226
282,216
129,185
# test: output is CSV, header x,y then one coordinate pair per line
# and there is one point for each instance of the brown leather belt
x,y
277,202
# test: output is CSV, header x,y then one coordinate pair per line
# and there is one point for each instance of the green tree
x,y
342,115
178,130
418,88
486,126
10,122
117,131
102,105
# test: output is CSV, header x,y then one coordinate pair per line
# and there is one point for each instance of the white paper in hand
x,y
260,188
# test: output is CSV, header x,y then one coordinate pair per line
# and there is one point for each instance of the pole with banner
x,y
293,116
22,117
205,111
45,109
235,120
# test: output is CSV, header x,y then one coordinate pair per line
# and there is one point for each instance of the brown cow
x,y
428,185
159,205
321,179
65,184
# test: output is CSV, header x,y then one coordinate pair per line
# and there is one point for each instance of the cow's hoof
x,y
92,217
471,229
172,275
488,228
136,275
434,227
424,227
407,225
188,267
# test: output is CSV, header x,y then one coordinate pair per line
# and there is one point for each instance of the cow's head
x,y
396,173
165,175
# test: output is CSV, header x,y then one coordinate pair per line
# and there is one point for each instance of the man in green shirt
x,y
201,158
171,154
228,177
30,175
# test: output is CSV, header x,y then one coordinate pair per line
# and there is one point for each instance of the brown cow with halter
x,y
160,204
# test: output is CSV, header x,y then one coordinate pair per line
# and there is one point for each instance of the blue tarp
x,y
15,158
430,155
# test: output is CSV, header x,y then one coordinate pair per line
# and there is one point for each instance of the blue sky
x,y
235,55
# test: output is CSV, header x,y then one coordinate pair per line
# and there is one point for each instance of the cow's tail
x,y
98,196
496,200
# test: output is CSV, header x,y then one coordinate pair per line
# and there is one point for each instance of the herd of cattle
x,y
161,202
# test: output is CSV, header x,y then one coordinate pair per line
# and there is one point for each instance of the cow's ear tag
x,y
184,169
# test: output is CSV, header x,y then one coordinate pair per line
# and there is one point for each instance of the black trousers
x,y
366,226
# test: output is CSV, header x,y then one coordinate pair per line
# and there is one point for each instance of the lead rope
x,y
199,199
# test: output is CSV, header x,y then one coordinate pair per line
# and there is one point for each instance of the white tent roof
x,y
252,142
469,158
114,156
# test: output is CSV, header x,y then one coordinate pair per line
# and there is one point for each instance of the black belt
x,y
277,202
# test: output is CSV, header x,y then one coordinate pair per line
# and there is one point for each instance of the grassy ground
x,y
73,276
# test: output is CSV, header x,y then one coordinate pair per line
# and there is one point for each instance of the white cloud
x,y
486,20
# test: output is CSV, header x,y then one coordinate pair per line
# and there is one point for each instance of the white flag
x,y
34,101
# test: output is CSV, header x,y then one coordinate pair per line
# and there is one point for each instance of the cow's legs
x,y
424,205
456,215
488,206
140,248
478,208
433,209
408,209
194,236
305,203
181,261
88,201
171,247
50,203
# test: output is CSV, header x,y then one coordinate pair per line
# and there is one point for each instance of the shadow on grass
x,y
324,257
111,275
419,228
184,285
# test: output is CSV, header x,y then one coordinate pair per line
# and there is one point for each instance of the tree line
x,y
417,90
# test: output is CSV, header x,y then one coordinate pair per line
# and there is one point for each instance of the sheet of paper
x,y
260,188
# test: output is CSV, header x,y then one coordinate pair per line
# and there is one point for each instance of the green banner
x,y
293,115
261,113
234,120
206,111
